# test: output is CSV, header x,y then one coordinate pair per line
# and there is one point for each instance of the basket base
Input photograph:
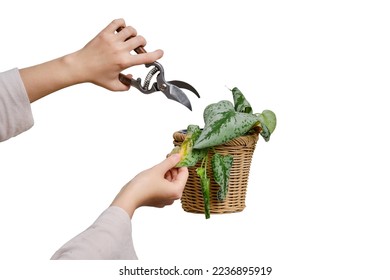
x,y
225,211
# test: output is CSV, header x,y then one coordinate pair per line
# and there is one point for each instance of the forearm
x,y
46,78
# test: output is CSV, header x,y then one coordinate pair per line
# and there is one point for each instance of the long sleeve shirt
x,y
110,236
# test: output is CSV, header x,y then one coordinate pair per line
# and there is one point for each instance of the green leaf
x,y
268,123
265,132
205,184
269,119
189,155
223,123
222,107
240,103
221,166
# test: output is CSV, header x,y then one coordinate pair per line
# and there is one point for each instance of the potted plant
x,y
206,151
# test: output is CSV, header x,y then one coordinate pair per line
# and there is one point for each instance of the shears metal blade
x,y
171,89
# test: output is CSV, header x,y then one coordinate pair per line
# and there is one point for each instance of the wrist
x,y
126,199
75,68
48,77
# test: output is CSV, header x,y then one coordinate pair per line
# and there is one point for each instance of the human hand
x,y
158,186
98,62
108,54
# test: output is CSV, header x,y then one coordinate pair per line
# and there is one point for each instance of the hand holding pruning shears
x,y
101,62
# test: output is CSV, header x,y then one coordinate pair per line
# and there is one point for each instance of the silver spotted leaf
x,y
240,103
268,123
221,166
205,184
223,123
268,118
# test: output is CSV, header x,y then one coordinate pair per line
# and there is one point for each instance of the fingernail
x,y
176,157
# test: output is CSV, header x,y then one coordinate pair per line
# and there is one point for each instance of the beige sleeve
x,y
108,238
15,109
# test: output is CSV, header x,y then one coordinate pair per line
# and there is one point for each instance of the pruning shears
x,y
171,89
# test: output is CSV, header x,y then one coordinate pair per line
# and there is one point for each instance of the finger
x,y
168,163
164,203
145,58
121,83
125,79
182,175
168,176
127,33
169,202
114,25
173,172
135,41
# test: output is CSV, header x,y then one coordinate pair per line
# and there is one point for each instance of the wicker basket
x,y
241,148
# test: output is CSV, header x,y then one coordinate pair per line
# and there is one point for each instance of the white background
x,y
318,202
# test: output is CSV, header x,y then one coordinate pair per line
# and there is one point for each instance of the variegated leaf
x,y
205,184
189,155
221,166
223,123
268,123
221,107
240,103
268,118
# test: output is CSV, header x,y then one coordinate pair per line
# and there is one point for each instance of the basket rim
x,y
254,136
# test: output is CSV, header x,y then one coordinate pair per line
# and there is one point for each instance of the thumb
x,y
169,163
125,80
